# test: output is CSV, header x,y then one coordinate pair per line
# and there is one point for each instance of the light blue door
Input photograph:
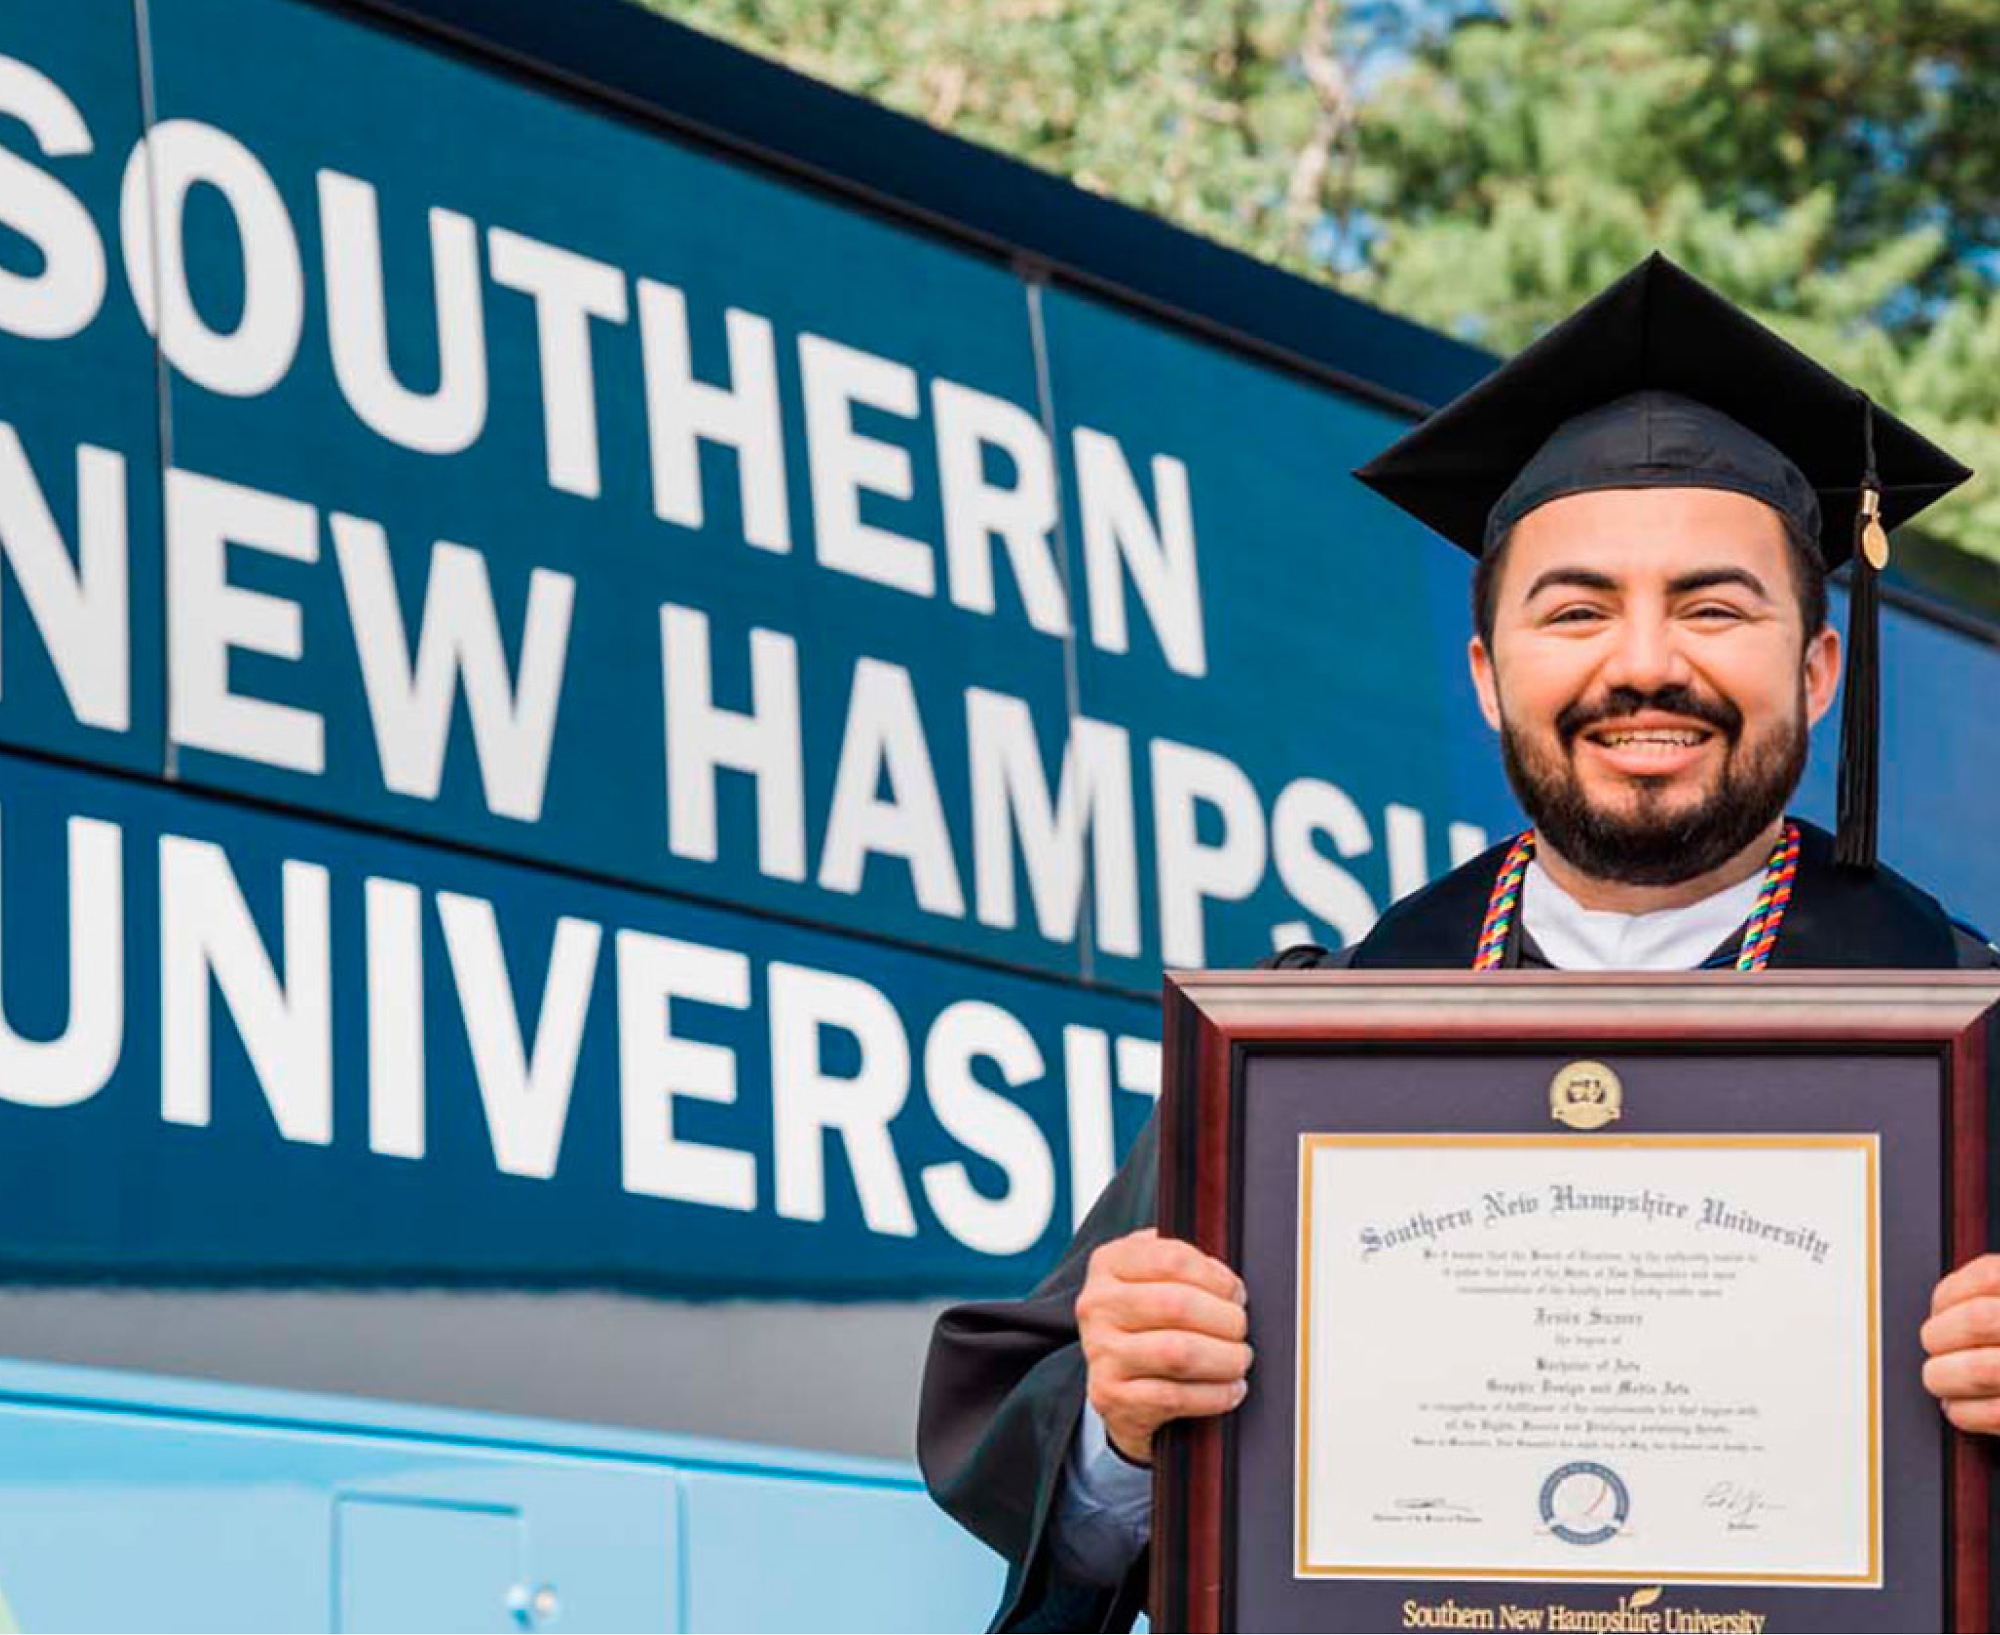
x,y
410,1565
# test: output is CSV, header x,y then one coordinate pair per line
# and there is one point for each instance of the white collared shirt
x,y
1574,938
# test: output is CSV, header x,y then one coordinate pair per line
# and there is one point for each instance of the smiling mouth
x,y
1632,738
1649,749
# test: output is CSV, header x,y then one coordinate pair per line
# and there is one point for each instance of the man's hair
x,y
1808,579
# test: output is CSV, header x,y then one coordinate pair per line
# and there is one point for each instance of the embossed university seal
x,y
1586,1096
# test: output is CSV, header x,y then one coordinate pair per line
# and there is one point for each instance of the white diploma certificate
x,y
1605,1358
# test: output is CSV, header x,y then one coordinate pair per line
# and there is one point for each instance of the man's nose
x,y
1646,657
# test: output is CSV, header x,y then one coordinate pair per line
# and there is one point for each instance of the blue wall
x,y
132,1503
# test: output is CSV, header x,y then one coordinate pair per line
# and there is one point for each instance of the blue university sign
x,y
576,710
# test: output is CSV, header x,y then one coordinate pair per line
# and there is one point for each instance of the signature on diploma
x,y
1739,1506
1445,1505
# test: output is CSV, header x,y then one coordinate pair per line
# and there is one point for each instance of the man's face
x,y
1651,678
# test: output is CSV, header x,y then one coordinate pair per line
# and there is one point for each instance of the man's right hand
x,y
1163,1330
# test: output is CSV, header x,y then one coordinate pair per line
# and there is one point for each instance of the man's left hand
x,y
1963,1340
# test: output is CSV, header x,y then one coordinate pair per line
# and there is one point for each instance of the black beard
x,y
1650,848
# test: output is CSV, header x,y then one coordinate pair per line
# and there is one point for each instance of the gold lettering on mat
x,y
1643,1612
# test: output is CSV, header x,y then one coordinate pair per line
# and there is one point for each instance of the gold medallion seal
x,y
1586,1096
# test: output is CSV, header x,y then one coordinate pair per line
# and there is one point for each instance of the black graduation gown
x,y
1004,1383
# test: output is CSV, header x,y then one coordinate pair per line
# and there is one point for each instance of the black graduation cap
x,y
1659,381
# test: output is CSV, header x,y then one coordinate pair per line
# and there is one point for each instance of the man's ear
x,y
1822,673
1481,662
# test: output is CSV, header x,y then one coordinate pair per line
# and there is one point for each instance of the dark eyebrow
x,y
1709,578
1684,585
1575,578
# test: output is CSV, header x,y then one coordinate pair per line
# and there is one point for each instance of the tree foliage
x,y
1833,165
1233,118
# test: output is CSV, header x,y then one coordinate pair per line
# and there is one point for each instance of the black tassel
x,y
1854,844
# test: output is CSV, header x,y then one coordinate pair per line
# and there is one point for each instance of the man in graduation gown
x,y
1655,492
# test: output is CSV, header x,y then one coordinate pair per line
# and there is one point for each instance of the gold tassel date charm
x,y
1874,537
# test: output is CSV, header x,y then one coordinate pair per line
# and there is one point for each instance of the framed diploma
x,y
1580,1302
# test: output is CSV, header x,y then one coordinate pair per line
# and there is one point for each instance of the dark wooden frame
x,y
1213,1019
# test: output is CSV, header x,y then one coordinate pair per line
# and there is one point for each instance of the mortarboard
x,y
1659,381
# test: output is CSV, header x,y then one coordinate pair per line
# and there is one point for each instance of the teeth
x,y
1651,740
